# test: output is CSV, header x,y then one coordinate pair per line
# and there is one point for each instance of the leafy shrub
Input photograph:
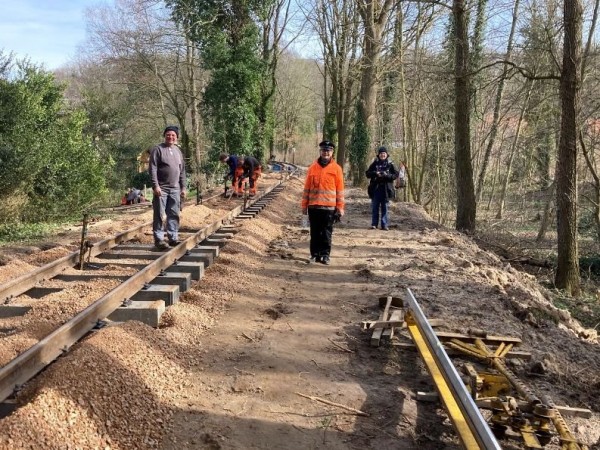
x,y
590,264
20,232
44,154
141,179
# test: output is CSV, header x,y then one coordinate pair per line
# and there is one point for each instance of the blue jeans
x,y
379,201
166,206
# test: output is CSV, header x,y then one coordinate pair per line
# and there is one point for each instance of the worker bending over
x,y
235,171
252,171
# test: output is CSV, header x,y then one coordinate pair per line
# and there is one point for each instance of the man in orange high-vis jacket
x,y
323,201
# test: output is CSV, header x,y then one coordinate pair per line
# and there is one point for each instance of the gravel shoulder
x,y
266,351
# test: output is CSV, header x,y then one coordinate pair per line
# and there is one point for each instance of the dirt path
x,y
262,327
295,330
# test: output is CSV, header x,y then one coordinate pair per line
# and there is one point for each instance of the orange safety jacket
x,y
324,186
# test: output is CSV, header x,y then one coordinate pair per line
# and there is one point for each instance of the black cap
x,y
382,149
172,128
327,144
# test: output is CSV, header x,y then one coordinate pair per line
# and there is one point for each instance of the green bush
x,y
141,179
23,232
590,264
44,155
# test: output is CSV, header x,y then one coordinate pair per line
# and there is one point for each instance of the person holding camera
x,y
382,174
323,201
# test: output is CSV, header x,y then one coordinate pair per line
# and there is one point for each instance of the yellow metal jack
x,y
531,418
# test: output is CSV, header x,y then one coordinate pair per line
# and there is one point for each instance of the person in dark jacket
x,y
252,170
382,174
235,171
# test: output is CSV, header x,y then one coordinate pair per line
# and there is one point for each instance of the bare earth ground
x,y
235,360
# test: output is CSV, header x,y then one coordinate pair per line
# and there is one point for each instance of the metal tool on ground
x,y
246,193
470,425
227,190
83,245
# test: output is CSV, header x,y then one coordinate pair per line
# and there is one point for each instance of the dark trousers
x,y
379,202
321,229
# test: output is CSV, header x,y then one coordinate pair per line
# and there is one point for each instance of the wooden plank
x,y
397,301
167,293
427,397
7,311
514,354
396,316
39,292
376,336
445,335
567,411
372,324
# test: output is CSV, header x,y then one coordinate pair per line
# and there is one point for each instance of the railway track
x,y
210,193
152,281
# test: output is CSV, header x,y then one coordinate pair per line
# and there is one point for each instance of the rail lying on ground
x,y
472,428
29,363
521,411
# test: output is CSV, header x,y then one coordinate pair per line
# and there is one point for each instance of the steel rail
x,y
28,280
472,428
25,366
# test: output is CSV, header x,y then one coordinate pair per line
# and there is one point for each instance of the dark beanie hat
x,y
382,149
172,128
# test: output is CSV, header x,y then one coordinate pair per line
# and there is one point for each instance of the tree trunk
x,y
465,189
374,15
567,271
513,151
194,113
498,105
548,209
390,89
595,183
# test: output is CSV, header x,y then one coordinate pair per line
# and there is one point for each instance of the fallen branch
x,y
340,347
247,337
244,372
338,405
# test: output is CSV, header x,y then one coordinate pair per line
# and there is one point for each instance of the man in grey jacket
x,y
167,171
